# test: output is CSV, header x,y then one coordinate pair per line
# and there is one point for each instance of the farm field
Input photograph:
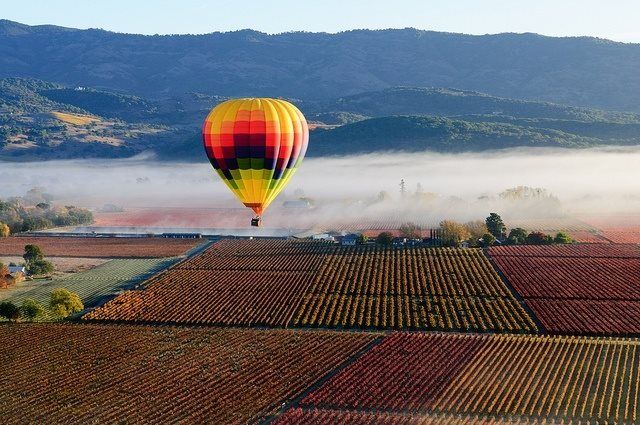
x,y
127,374
233,282
578,289
327,416
100,247
63,265
103,280
313,284
512,377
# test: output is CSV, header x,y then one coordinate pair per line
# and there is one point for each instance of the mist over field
x,y
458,186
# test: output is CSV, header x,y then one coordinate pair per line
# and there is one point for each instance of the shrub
x,y
9,311
453,232
487,240
64,303
517,236
384,238
539,238
562,238
40,267
32,309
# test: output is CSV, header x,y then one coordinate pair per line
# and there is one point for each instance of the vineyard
x,y
579,289
304,284
100,247
410,288
299,416
103,280
125,374
497,376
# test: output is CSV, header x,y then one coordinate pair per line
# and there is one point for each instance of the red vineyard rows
x,y
581,289
82,374
100,247
514,377
305,416
289,283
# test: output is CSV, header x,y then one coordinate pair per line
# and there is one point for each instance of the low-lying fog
x,y
460,186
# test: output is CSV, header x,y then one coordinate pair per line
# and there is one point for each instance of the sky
x,y
614,19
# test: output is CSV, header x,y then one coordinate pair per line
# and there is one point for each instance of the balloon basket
x,y
256,222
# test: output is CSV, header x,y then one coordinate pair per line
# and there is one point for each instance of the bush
x,y
64,303
4,230
517,236
9,311
410,231
384,238
539,238
32,309
453,233
40,267
562,238
487,240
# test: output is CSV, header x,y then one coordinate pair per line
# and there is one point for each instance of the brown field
x,y
100,247
75,119
78,374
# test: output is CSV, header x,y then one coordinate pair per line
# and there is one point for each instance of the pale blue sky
x,y
614,19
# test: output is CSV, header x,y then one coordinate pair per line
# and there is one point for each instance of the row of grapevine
x,y
374,287
560,377
576,250
403,373
99,247
572,277
261,254
221,297
80,374
622,236
488,376
103,280
290,283
581,289
377,270
595,317
413,313
307,416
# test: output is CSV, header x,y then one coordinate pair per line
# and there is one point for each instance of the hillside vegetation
x,y
43,120
579,71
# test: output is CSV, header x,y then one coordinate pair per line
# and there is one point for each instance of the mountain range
x,y
84,93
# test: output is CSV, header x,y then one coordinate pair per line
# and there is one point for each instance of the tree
x,y
495,225
403,187
64,303
32,253
384,238
31,309
517,236
9,311
361,239
539,238
410,230
562,238
5,231
453,232
487,240
35,262
477,229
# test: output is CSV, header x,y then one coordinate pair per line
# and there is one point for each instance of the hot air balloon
x,y
255,145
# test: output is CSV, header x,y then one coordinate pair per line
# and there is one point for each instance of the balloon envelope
x,y
255,145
